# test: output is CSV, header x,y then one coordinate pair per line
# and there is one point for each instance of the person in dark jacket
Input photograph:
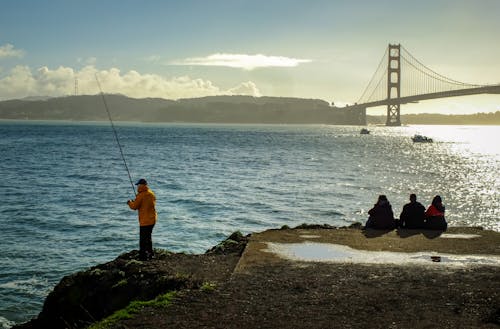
x,y
412,215
434,215
381,215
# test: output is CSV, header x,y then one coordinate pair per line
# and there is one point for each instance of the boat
x,y
364,131
421,139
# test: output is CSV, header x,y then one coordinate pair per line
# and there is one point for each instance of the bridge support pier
x,y
393,85
362,116
393,115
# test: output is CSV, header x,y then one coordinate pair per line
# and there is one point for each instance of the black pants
x,y
436,223
145,242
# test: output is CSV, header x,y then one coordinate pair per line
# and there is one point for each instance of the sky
x,y
325,49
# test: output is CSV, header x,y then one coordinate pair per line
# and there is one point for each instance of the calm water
x,y
64,188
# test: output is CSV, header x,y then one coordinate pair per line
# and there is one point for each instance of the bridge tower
x,y
393,86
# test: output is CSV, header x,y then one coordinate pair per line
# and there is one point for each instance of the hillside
x,y
214,109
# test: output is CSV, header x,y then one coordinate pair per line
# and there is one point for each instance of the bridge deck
x,y
492,89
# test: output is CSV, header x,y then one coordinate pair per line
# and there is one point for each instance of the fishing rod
x,y
116,135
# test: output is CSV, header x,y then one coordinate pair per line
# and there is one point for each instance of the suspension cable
x,y
382,60
421,76
439,76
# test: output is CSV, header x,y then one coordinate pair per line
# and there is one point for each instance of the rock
x,y
235,243
88,296
85,297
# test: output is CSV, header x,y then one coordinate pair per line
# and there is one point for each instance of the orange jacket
x,y
145,202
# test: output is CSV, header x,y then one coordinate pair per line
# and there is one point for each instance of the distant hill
x,y
442,119
36,98
213,109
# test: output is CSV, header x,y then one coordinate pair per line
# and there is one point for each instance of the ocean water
x,y
64,187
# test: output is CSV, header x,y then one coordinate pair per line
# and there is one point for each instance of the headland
x,y
311,276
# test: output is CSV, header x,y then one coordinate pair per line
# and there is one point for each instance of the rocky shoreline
x,y
239,284
88,296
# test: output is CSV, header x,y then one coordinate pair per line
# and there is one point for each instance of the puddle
x,y
335,253
459,236
309,236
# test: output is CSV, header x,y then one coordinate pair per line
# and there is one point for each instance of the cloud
x,y
22,82
245,88
246,62
8,50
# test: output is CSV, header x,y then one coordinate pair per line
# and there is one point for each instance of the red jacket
x,y
432,211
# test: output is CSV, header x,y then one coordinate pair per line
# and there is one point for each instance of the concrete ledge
x,y
455,241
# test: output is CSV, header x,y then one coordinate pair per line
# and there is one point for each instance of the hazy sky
x,y
325,49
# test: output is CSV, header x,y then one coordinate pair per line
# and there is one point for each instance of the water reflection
x,y
335,253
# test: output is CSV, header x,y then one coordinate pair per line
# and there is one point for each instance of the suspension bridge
x,y
400,79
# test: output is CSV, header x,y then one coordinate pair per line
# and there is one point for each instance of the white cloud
x,y
22,82
246,62
8,50
19,82
245,88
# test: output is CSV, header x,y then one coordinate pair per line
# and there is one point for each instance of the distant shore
x,y
212,109
216,109
486,119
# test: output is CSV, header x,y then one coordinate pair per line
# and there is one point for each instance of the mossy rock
x,y
234,244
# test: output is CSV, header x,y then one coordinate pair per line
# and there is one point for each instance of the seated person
x,y
381,215
412,215
434,215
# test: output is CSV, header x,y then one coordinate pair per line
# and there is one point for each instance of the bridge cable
x,y
373,77
438,77
441,77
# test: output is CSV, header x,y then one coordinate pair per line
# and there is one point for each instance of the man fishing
x,y
145,202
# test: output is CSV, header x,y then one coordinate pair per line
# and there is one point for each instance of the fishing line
x,y
116,135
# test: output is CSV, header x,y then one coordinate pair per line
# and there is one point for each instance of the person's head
x,y
141,181
382,199
413,197
437,200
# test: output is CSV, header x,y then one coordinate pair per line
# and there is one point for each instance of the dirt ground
x,y
261,290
